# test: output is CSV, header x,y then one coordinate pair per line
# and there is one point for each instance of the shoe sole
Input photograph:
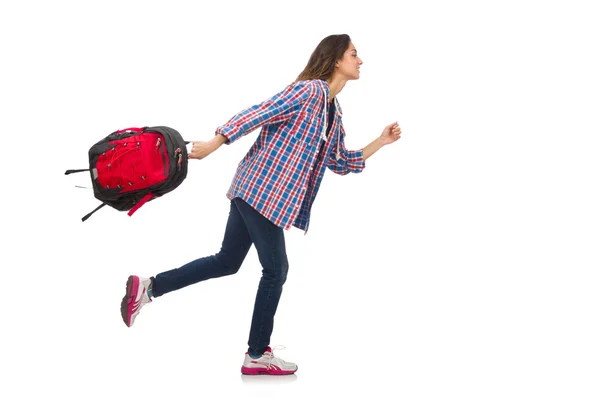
x,y
132,285
264,371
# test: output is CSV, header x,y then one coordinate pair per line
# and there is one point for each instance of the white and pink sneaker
x,y
267,364
135,298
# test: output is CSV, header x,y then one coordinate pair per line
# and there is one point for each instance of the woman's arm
x,y
354,160
280,107
372,147
390,134
343,161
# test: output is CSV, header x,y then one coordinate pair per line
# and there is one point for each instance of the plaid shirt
x,y
281,173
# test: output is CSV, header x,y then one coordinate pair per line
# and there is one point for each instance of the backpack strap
x,y
90,214
67,172
133,129
143,201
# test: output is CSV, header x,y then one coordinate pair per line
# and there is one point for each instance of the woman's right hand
x,y
201,149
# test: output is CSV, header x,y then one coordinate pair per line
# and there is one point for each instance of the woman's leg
x,y
269,242
234,249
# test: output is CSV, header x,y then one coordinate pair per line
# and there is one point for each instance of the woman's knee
x,y
230,264
277,274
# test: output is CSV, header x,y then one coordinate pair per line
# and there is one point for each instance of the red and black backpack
x,y
130,167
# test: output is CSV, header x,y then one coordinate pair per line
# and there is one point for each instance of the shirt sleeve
x,y
348,161
280,107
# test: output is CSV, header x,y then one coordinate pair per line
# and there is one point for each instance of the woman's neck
x,y
336,85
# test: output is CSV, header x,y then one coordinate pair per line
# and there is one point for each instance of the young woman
x,y
273,189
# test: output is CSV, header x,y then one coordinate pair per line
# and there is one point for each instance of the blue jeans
x,y
245,227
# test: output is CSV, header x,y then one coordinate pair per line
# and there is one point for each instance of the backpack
x,y
130,167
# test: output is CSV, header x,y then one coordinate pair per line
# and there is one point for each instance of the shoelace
x,y
272,355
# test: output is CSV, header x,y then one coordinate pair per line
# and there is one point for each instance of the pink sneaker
x,y
135,298
267,364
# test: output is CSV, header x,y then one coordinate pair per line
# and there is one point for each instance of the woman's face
x,y
349,65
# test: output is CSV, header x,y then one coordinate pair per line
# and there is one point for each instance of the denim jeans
x,y
245,227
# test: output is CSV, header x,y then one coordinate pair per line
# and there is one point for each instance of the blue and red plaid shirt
x,y
281,173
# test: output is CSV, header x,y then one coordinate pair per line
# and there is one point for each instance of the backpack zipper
x,y
162,155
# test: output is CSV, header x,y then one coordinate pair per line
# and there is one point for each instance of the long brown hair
x,y
321,64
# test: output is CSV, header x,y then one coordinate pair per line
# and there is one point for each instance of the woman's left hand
x,y
391,133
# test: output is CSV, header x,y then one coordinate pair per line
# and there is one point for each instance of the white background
x,y
462,261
